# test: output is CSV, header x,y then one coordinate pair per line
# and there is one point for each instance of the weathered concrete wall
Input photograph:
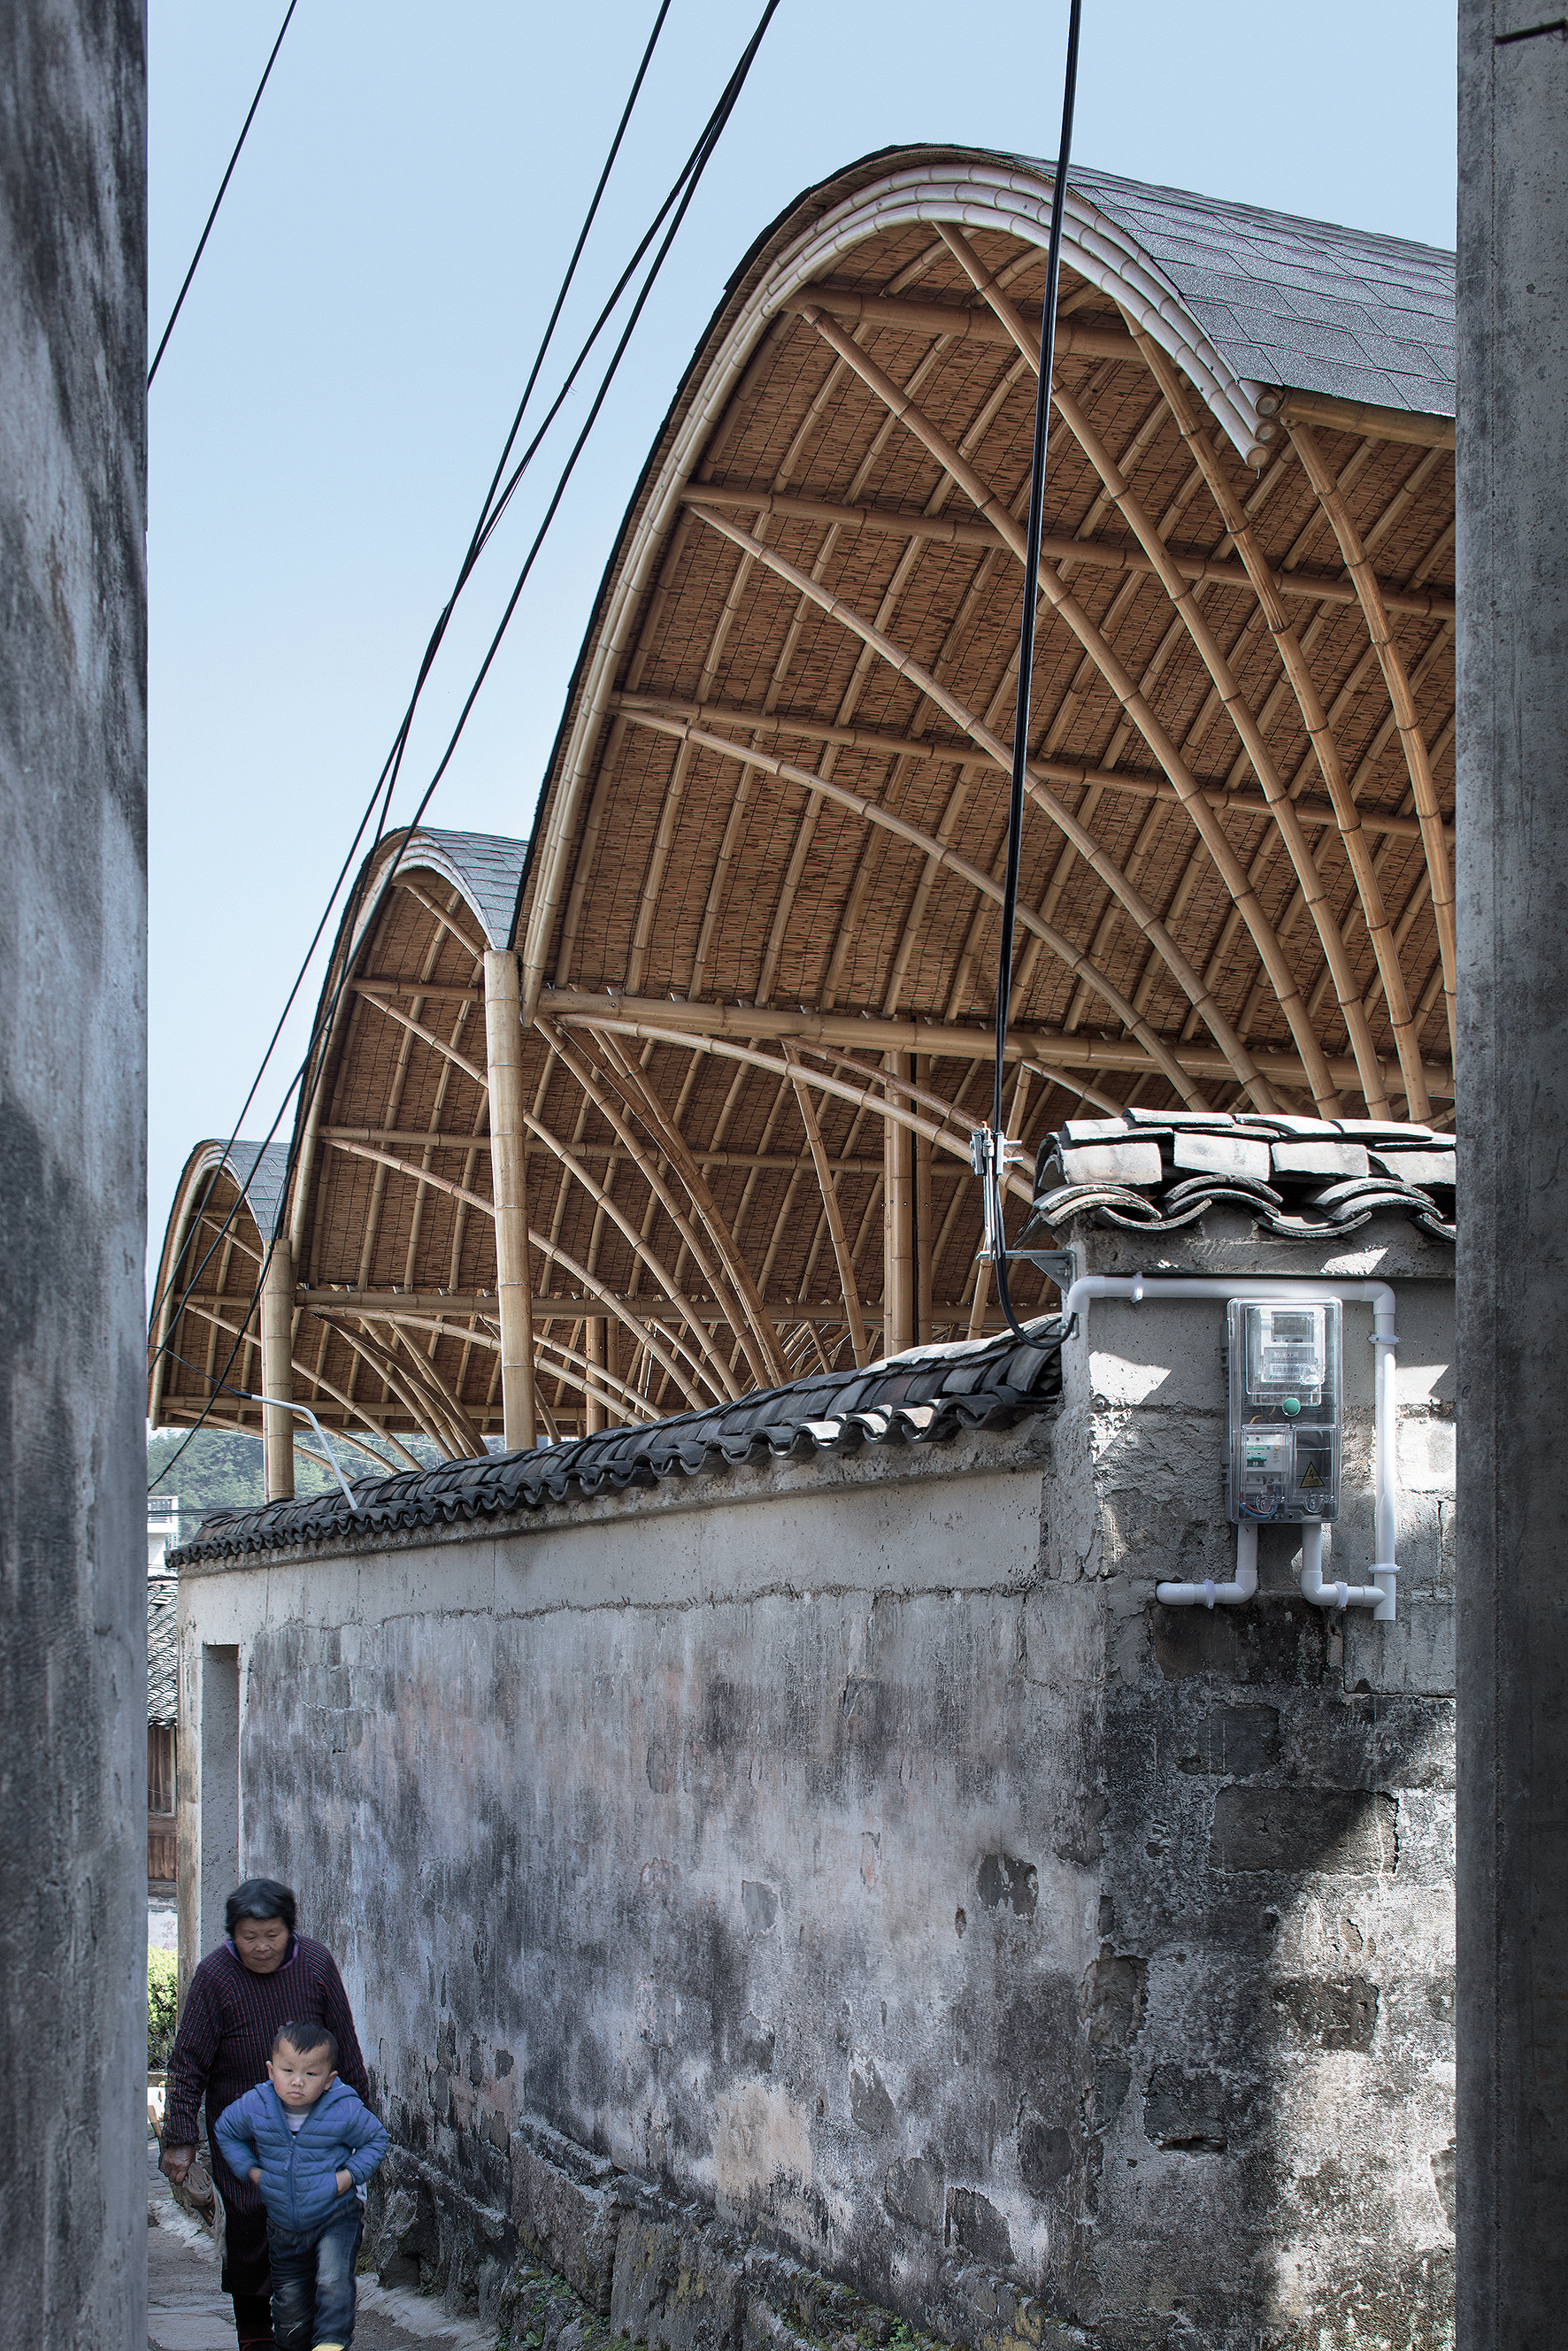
x,y
857,1848
1513,878
72,1184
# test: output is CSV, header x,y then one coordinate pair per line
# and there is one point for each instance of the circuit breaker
x,y
1285,1409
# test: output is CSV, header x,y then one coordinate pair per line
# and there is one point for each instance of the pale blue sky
x,y
328,410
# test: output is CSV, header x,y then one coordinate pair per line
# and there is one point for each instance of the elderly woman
x,y
262,1976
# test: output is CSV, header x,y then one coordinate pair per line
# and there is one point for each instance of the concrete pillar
x,y
593,1348
277,1372
73,1172
509,1142
898,1269
1512,891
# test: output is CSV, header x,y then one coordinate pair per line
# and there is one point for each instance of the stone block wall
x,y
850,1865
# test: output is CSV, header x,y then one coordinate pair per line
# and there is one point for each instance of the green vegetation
x,y
161,1969
220,1470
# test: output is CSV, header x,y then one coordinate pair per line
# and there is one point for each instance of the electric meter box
x,y
1285,1409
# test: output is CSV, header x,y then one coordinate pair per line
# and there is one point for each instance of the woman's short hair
x,y
259,1897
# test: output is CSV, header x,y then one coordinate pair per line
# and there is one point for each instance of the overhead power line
x,y
217,200
682,192
993,1173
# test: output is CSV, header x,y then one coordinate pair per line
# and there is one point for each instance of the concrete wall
x,y
1513,878
72,1186
856,1847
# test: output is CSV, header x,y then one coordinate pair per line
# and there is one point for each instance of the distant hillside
x,y
220,1470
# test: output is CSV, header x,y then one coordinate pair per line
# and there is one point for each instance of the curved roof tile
x,y
921,1397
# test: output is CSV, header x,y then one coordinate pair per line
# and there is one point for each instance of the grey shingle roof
x,y
259,1169
1301,303
1299,1178
486,866
921,1398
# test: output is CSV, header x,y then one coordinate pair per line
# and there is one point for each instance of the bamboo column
x,y
508,1139
594,1349
923,1226
898,1285
277,1372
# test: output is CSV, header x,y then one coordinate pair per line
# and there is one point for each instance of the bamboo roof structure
x,y
755,927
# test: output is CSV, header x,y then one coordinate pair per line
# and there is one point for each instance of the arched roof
x,y
217,1255
757,917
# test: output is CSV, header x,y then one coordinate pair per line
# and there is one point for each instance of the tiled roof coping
x,y
1300,1179
922,1398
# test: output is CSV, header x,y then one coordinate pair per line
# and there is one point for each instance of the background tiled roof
x,y
163,1649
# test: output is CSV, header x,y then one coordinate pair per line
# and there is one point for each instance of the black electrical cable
x,y
995,1171
696,165
489,513
245,1396
217,200
386,781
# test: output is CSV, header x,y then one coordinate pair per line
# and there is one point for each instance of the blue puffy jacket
x,y
299,2168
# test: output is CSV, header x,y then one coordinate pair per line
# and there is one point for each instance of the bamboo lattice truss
x,y
672,1101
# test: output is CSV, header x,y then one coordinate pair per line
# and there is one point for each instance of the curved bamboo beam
x,y
469,1337
438,1423
1239,1061
1397,677
1134,783
604,1384
1320,734
921,1095
872,813
731,1255
1138,713
1120,492
426,1036
398,1081
726,1051
425,1369
315,1383
581,1071
1243,718
714,1369
710,1359
833,1213
444,921
550,1247
1094,554
672,1018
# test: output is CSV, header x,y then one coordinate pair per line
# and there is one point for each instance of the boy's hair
x,y
259,1897
306,2039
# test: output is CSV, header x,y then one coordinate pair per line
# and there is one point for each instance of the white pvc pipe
x,y
1379,1296
1331,1596
1229,1596
303,1410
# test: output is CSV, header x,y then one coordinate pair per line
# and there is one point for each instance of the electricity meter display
x,y
1285,1392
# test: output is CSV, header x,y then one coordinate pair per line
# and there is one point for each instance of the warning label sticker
x,y
1310,1478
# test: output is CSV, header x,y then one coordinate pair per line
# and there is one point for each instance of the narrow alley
x,y
188,2311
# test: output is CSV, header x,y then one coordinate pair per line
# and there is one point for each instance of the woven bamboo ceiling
x,y
757,922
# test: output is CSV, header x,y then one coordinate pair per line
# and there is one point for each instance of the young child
x,y
305,2140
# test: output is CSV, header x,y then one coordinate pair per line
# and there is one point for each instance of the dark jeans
x,y
313,2277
